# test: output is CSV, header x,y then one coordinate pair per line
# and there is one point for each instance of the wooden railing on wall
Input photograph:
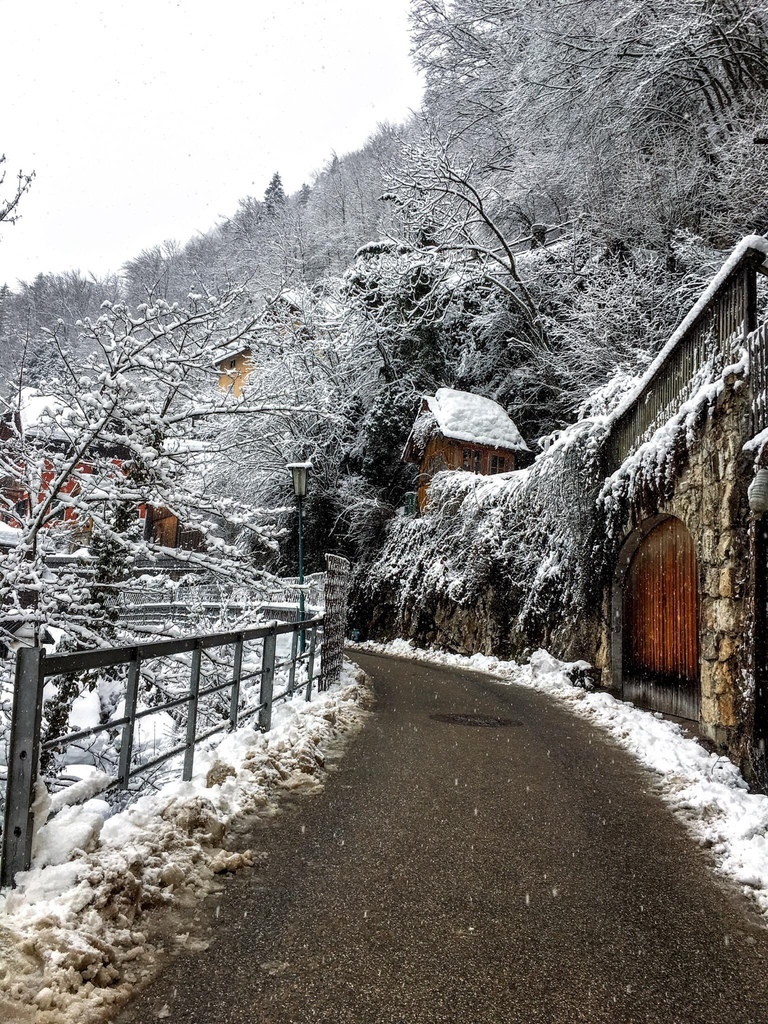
x,y
758,375
728,319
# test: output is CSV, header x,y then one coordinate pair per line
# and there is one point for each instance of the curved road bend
x,y
455,873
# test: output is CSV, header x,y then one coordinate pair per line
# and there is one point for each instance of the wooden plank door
x,y
661,623
761,640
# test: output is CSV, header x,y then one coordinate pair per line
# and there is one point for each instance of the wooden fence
x,y
725,322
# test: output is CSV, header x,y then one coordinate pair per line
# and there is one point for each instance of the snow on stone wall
x,y
695,468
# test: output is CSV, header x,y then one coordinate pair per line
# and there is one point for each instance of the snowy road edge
x,y
74,939
706,791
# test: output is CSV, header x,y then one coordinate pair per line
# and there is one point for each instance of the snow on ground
x,y
77,934
706,791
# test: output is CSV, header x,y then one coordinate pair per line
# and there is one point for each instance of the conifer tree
x,y
275,197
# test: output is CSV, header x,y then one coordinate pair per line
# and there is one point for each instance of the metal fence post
x,y
292,670
131,698
237,671
267,680
194,687
23,761
311,661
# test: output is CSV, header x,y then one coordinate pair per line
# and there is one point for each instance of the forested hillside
x,y
533,235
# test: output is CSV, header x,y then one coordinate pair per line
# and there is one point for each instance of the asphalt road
x,y
523,872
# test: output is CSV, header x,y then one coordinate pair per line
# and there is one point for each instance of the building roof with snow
x,y
463,416
39,412
9,535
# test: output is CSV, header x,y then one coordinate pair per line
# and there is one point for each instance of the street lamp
x,y
299,472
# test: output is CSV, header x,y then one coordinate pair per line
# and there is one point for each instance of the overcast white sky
x,y
149,119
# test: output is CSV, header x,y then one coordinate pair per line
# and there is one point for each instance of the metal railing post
x,y
267,680
292,670
194,687
311,661
237,671
131,698
23,761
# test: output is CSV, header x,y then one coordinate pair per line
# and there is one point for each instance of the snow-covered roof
x,y
42,412
9,535
307,302
466,417
221,355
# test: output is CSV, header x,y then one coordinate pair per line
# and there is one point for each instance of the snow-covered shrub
x,y
520,547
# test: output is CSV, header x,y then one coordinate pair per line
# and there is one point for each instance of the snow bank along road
x,y
518,871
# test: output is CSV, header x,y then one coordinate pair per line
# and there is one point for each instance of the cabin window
x,y
498,464
472,460
436,464
232,364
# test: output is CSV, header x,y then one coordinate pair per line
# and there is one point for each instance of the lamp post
x,y
299,472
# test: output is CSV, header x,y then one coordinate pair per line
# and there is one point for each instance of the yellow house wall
x,y
234,377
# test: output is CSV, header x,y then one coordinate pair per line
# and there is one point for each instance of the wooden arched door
x,y
660,648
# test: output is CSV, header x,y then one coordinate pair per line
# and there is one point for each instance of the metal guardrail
x,y
34,667
187,602
313,587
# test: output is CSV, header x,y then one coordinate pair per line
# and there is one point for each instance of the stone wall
x,y
710,497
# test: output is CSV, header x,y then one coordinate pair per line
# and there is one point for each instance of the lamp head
x,y
300,472
757,492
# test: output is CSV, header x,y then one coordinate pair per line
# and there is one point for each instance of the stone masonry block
x,y
708,613
724,675
727,545
728,648
709,541
712,584
707,682
726,710
710,645
710,711
729,505
728,615
728,582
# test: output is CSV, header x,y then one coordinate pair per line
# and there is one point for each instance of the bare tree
x,y
9,204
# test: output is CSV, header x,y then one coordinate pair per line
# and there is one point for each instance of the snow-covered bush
x,y
519,548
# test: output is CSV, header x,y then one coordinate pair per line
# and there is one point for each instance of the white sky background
x,y
149,119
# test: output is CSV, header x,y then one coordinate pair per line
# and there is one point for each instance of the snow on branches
x,y
137,424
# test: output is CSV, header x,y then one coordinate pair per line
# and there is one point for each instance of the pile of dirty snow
x,y
78,933
705,790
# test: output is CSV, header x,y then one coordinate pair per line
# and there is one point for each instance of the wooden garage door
x,y
761,639
661,623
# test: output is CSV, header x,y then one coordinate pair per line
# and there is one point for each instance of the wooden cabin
x,y
164,527
459,430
